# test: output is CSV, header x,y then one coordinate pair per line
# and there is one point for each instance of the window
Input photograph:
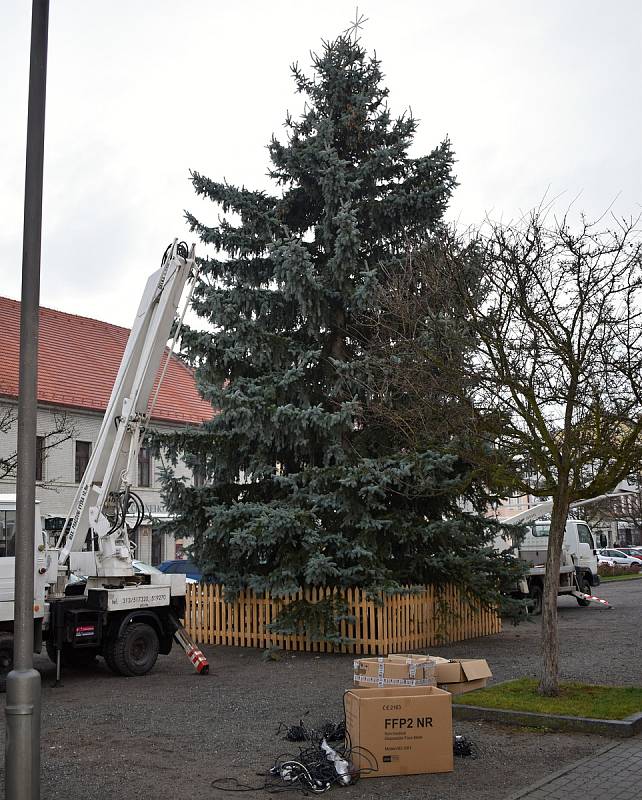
x,y
198,475
144,467
83,454
7,533
157,547
584,535
541,529
40,457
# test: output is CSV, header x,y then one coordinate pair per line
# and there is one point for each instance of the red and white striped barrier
x,y
591,597
199,661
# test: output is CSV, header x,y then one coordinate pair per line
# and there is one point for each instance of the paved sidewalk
x,y
613,773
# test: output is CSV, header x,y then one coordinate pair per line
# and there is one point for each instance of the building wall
x,y
514,505
620,523
58,488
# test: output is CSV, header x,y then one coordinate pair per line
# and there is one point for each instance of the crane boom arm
x,y
543,509
110,472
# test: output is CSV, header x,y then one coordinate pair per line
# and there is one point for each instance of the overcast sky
x,y
535,97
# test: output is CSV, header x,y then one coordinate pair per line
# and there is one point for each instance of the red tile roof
x,y
78,359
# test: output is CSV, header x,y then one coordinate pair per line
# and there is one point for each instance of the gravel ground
x,y
172,732
597,644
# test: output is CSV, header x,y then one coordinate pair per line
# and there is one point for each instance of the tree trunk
x,y
549,685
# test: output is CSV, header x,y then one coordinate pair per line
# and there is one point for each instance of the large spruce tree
x,y
296,484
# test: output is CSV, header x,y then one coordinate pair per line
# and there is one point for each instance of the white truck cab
x,y
579,544
45,570
45,567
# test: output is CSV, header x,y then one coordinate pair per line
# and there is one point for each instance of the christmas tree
x,y
295,485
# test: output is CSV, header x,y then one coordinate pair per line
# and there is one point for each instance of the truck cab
x,y
578,544
45,568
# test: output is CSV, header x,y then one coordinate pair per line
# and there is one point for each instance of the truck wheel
x,y
537,599
585,587
135,651
71,657
6,658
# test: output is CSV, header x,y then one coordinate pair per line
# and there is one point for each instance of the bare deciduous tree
x,y
61,431
560,361
552,391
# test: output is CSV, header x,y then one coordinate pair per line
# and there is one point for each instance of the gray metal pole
x,y
22,749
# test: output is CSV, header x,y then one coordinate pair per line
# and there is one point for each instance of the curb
x,y
619,728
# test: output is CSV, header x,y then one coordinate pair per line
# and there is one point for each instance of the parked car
x,y
612,556
180,566
635,552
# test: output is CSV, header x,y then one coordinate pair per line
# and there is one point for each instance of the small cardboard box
x,y
465,686
400,731
463,675
382,672
456,676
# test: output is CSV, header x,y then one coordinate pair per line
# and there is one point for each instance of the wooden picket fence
x,y
398,623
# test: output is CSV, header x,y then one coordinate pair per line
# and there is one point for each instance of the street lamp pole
x,y
22,748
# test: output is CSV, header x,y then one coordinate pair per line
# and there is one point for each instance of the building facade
x,y
514,505
78,361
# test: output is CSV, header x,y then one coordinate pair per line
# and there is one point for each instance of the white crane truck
x,y
126,617
578,565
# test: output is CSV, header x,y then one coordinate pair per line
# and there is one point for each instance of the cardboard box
x,y
383,672
400,731
465,686
416,657
456,676
463,675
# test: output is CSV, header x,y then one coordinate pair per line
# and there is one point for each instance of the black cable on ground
x,y
325,759
330,731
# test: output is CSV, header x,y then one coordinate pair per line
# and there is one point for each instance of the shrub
x,y
608,571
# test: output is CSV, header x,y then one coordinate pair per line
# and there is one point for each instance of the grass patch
x,y
604,578
575,699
